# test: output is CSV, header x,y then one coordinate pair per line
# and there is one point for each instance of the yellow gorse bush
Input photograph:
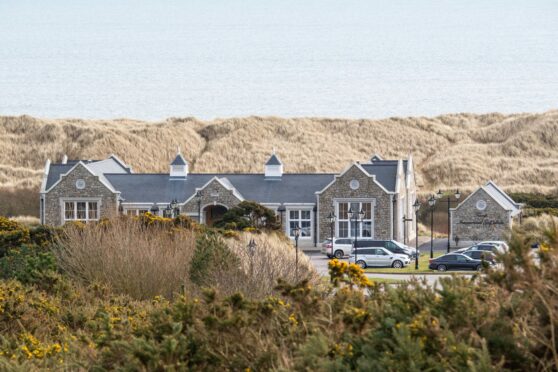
x,y
342,272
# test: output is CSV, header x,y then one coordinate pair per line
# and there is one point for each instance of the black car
x,y
454,261
390,245
480,255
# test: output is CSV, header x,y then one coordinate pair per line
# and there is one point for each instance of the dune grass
x,y
518,151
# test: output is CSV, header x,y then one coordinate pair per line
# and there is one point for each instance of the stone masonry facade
x,y
214,193
66,190
368,189
469,223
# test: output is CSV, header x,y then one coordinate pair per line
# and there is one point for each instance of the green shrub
x,y
12,235
30,264
249,214
212,258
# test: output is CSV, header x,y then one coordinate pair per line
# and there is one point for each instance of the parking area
x,y
320,262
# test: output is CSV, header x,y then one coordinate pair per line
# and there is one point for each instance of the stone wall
x,y
214,193
472,224
368,188
67,189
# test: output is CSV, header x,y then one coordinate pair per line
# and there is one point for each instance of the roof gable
x,y
363,170
65,169
179,160
273,160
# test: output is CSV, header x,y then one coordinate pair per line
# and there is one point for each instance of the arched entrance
x,y
213,213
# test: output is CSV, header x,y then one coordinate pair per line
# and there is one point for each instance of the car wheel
x,y
362,264
479,268
397,264
339,254
442,268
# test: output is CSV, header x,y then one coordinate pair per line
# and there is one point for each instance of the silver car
x,y
378,257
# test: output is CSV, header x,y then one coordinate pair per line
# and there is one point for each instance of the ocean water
x,y
151,59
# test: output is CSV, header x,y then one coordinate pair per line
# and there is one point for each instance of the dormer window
x,y
273,167
179,167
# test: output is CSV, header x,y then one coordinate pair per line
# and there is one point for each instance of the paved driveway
x,y
320,263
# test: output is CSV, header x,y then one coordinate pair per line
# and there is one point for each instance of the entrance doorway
x,y
213,213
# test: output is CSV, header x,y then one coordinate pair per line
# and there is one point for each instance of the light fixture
x,y
331,217
431,200
416,206
457,194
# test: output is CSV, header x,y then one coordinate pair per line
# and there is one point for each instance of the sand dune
x,y
519,151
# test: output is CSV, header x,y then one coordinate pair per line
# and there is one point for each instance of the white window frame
x,y
338,220
75,202
299,220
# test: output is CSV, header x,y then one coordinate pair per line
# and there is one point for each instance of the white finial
x,y
178,149
273,150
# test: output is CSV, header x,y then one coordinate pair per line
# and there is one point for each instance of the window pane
x,y
292,226
343,209
293,215
367,229
69,210
352,225
92,210
131,212
367,208
305,215
81,210
355,208
306,228
343,229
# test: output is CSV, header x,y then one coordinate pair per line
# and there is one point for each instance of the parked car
x,y
391,245
340,248
502,247
479,247
480,255
454,261
378,257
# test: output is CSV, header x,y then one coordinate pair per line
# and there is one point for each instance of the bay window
x,y
364,226
81,211
302,218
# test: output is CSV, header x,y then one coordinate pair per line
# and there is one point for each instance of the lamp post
x,y
432,202
174,208
251,251
154,209
416,206
331,219
356,217
199,196
296,231
457,195
167,212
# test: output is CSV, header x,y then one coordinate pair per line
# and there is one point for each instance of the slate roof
x,y
385,172
56,170
179,160
292,188
273,160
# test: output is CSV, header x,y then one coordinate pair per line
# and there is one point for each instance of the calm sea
x,y
153,59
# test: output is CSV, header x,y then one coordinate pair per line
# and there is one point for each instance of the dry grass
x,y
274,258
127,257
519,152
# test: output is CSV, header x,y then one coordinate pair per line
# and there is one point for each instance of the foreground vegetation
x,y
57,313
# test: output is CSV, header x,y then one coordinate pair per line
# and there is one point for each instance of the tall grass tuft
x,y
131,258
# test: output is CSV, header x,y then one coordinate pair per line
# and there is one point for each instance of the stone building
x,y
487,214
384,190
